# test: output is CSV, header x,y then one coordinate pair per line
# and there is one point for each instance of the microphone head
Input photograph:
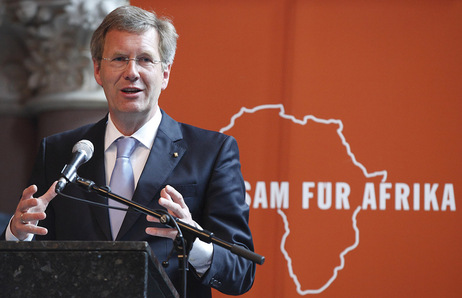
x,y
86,147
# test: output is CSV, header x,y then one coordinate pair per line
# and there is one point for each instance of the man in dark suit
x,y
193,173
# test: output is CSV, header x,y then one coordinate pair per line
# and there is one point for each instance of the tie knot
x,y
125,146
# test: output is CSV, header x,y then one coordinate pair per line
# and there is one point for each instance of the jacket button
x,y
215,283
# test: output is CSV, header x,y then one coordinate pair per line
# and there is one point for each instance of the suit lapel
x,y
166,152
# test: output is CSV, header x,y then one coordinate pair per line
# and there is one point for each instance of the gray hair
x,y
136,20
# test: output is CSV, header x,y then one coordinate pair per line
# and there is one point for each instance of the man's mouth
x,y
131,90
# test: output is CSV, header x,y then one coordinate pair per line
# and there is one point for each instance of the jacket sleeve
x,y
227,215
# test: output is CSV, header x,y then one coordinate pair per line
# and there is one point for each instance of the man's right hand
x,y
29,211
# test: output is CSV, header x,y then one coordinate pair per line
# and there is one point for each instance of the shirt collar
x,y
145,135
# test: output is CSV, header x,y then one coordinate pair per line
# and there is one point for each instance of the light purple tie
x,y
122,181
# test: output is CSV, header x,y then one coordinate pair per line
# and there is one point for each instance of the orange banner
x,y
348,119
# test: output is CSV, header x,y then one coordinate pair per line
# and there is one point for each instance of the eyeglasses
x,y
122,62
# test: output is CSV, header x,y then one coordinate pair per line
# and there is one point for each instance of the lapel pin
x,y
175,154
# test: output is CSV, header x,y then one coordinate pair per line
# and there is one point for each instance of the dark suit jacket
x,y
206,171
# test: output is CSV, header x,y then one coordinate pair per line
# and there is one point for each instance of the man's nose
x,y
131,70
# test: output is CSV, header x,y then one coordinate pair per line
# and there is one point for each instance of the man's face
x,y
132,91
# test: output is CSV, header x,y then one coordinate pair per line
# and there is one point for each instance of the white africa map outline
x,y
304,121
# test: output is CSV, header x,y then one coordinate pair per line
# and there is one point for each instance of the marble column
x,y
46,79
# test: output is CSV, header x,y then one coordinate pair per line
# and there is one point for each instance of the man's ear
x,y
97,71
166,74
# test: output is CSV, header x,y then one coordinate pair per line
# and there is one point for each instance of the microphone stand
x,y
191,232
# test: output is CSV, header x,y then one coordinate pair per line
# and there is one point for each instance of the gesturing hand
x,y
173,201
29,211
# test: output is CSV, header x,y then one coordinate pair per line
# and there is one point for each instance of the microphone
x,y
82,152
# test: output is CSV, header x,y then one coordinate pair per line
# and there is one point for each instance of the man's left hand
x,y
173,201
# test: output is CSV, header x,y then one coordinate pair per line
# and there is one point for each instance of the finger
x,y
36,230
151,218
29,192
32,217
172,207
50,194
44,200
27,201
21,228
174,202
27,204
164,194
162,232
166,201
175,195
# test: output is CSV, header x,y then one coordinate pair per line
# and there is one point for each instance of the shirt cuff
x,y
200,256
10,237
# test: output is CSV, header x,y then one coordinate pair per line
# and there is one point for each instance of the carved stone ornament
x,y
47,54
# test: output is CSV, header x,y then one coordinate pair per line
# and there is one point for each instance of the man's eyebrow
x,y
120,53
144,53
